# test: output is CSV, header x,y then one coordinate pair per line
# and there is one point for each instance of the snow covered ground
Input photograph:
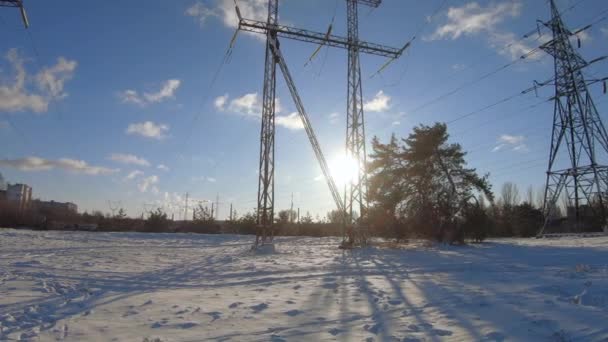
x,y
79,286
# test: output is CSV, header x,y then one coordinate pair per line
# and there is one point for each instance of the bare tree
x,y
509,194
530,195
540,197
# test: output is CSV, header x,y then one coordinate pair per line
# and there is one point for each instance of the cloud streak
x,y
128,159
511,142
33,163
166,91
148,129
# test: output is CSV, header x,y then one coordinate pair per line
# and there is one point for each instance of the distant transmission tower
x,y
17,4
577,127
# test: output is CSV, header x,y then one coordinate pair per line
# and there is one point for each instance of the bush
x,y
157,222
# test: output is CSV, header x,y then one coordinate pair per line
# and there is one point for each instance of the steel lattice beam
x,y
17,4
318,38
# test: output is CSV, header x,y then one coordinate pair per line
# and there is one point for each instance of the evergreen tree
x,y
424,182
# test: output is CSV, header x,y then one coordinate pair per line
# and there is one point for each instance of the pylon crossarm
x,y
370,3
11,3
307,125
17,4
318,38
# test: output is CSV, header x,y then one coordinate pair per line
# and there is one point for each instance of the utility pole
x,y
577,128
272,30
18,4
186,208
291,210
230,217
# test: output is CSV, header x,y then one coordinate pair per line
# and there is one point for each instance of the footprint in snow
x,y
441,332
215,314
259,308
293,313
187,325
335,331
234,305
297,287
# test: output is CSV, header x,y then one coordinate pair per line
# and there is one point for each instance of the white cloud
x,y
148,183
396,123
52,80
380,103
134,174
128,159
201,12
15,97
166,91
458,67
163,167
204,179
511,142
40,164
250,9
148,129
471,19
291,121
248,104
334,118
508,44
220,102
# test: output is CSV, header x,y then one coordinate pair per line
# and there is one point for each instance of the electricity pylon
x,y
272,29
355,190
18,4
577,127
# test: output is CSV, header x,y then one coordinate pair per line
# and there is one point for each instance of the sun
x,y
343,169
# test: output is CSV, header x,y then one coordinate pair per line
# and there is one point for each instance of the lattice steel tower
x,y
355,191
355,130
265,214
578,128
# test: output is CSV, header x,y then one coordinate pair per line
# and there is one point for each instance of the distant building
x,y
2,195
52,205
2,183
20,194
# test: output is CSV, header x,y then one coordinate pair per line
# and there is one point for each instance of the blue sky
x,y
102,103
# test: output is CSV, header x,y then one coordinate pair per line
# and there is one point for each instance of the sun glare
x,y
343,169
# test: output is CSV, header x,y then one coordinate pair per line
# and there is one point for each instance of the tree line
x,y
419,187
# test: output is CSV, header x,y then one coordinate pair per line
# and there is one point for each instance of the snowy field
x,y
79,286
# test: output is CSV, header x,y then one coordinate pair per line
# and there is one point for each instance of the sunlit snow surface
x,y
80,286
